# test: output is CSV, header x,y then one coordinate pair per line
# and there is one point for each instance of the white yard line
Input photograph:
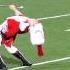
x,y
36,64
54,17
67,30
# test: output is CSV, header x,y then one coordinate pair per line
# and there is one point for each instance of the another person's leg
x,y
2,64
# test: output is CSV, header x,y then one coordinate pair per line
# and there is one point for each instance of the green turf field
x,y
57,44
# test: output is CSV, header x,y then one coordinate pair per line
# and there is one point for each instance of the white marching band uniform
x,y
36,31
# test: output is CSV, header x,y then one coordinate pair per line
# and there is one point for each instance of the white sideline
x,y
52,61
53,17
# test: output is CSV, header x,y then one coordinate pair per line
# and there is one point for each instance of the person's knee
x,y
11,49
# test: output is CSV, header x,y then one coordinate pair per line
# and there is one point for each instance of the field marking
x,y
41,63
67,30
53,17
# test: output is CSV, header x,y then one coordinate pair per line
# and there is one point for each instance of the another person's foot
x,y
3,67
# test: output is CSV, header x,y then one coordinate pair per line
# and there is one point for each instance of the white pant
x,y
12,49
37,34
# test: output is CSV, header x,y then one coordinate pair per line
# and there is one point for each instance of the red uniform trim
x,y
13,27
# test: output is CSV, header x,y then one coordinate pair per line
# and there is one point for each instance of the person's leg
x,y
37,38
2,64
15,52
18,55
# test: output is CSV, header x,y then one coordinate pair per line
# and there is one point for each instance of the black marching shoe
x,y
2,65
27,64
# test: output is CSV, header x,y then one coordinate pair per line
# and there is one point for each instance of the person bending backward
x,y
19,24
